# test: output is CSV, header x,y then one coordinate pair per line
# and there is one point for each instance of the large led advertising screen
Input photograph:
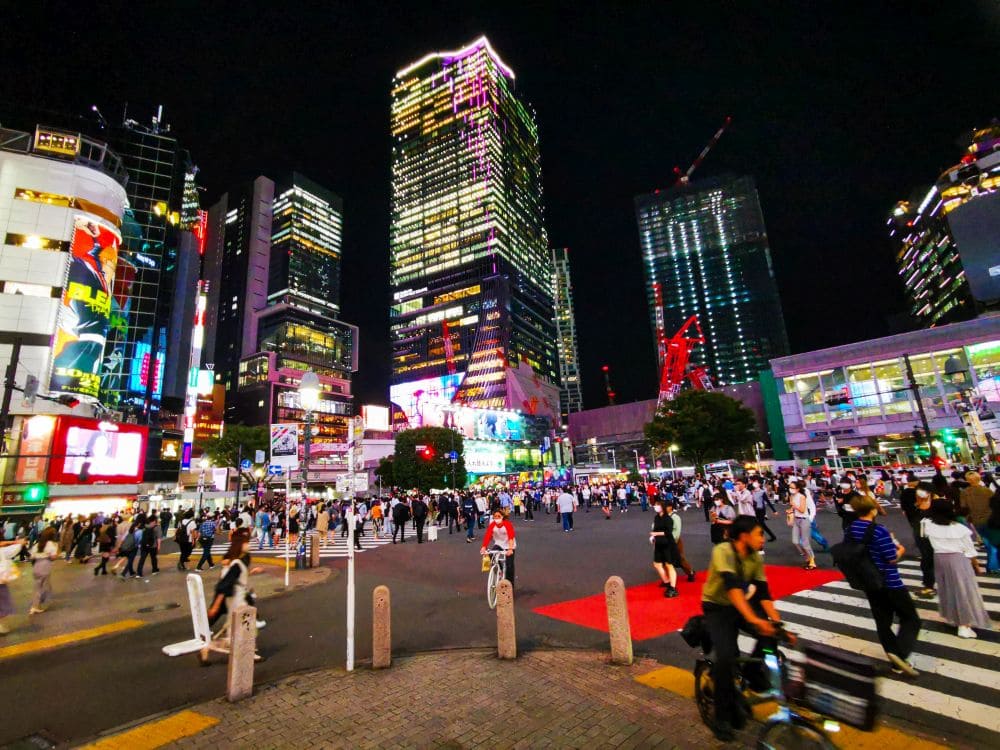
x,y
85,310
86,451
429,403
976,228
413,397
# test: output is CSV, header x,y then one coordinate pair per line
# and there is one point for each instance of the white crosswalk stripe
x,y
335,548
959,678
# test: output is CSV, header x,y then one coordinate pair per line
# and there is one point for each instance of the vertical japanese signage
x,y
36,445
194,375
85,310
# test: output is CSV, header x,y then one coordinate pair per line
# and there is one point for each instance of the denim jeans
x,y
567,521
992,551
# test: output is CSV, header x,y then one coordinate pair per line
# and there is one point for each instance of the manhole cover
x,y
159,607
33,742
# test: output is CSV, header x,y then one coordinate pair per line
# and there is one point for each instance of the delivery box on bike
x,y
840,685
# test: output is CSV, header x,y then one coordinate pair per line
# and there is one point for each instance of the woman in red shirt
x,y
501,533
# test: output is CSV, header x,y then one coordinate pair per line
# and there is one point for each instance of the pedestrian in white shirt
x,y
566,504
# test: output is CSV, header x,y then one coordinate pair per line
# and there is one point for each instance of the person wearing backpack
x,y
184,536
129,548
887,595
149,545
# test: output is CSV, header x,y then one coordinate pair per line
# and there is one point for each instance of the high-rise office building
x,y
704,244
471,271
948,239
570,392
273,273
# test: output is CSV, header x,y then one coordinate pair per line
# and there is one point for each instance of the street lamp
x,y
614,459
309,399
204,464
672,448
636,453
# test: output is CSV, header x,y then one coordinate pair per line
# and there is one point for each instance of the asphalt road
x,y
438,602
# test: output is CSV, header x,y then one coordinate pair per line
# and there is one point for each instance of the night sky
x,y
837,117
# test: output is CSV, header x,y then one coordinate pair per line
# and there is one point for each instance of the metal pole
x,y
673,475
920,405
239,475
303,513
350,574
15,355
288,494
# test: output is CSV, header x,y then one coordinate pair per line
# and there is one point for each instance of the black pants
x,y
509,570
401,528
707,507
419,523
888,604
762,520
359,531
151,554
206,553
102,566
129,561
926,558
186,549
528,513
724,624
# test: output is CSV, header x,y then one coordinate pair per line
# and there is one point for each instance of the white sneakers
x,y
902,666
966,632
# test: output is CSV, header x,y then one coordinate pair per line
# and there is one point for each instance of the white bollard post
x,y
242,647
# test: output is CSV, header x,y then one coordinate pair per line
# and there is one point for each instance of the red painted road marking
x,y
651,615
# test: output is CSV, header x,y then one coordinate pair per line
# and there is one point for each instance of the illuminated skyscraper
x,y
570,393
469,252
947,245
706,246
273,268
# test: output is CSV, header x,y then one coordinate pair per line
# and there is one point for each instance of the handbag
x,y
486,564
790,517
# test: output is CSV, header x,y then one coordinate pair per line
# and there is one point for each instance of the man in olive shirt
x,y
976,500
736,597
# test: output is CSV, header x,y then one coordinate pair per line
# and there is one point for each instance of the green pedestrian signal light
x,y
35,493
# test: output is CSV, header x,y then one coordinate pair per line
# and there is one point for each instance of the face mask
x,y
718,502
658,508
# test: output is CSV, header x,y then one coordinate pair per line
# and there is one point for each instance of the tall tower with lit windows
x,y
706,246
471,271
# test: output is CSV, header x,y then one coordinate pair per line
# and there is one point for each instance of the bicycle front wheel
x,y
704,691
491,585
793,734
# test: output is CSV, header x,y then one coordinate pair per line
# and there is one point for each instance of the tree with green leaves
x,y
386,472
225,451
430,467
706,426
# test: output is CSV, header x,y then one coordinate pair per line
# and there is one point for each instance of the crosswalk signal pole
x,y
288,494
350,560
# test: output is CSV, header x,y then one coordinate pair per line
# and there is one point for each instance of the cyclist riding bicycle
x,y
500,535
736,597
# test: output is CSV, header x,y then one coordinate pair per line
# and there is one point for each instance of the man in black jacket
x,y
149,545
470,512
419,517
400,515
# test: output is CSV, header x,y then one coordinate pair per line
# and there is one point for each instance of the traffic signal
x,y
426,452
67,400
35,493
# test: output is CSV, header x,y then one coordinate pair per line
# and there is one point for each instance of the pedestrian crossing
x,y
959,683
335,548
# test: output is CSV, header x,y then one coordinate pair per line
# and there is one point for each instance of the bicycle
x,y
498,569
787,727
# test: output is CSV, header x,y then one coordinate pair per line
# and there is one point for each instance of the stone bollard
x,y
506,637
314,550
618,624
381,628
242,647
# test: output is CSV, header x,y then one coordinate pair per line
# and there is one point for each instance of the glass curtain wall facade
x,y
570,391
705,244
470,267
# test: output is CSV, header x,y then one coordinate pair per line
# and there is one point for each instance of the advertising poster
x,y
85,310
36,443
94,452
285,445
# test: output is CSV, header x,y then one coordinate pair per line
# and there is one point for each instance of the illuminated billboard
x,y
36,446
93,452
485,457
413,397
85,310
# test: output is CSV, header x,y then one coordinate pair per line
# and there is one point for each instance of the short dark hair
x,y
742,525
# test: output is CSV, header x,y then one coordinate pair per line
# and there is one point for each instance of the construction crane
x,y
449,349
678,350
683,178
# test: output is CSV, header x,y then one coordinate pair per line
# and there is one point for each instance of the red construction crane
x,y
683,178
675,361
449,350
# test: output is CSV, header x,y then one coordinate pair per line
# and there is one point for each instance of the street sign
x,y
258,457
275,469
453,455
832,452
245,464
285,445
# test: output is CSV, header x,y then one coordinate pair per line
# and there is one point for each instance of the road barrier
x,y
243,646
618,624
506,636
314,550
381,628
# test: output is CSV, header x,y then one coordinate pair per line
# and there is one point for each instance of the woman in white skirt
x,y
955,567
